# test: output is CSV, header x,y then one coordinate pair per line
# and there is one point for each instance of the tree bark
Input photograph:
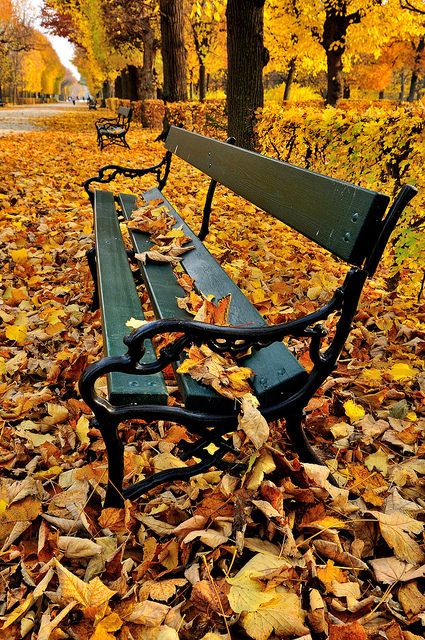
x,y
402,85
333,41
289,79
202,82
147,79
246,58
173,50
415,75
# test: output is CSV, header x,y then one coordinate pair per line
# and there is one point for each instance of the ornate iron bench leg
x,y
298,438
115,452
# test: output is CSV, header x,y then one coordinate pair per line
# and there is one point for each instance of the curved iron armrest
x,y
106,120
235,340
110,171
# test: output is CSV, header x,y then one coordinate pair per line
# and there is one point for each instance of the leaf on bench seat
x,y
252,423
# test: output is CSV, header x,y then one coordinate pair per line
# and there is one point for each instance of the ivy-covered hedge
x,y
380,148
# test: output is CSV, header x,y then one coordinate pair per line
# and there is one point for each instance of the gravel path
x,y
24,118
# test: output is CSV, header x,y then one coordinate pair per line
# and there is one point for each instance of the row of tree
x,y
354,42
28,63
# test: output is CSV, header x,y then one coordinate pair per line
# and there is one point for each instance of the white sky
x,y
62,46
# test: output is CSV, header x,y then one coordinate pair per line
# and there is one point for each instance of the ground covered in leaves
x,y
277,553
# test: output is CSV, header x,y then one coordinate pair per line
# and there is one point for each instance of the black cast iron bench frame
x,y
346,219
113,130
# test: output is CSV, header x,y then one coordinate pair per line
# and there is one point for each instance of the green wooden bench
x,y
343,218
113,130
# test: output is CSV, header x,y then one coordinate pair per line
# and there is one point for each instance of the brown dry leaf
x,y
150,614
351,631
389,570
251,422
395,529
18,517
75,548
332,551
411,599
163,590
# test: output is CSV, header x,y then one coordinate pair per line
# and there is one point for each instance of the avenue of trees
x,y
28,63
181,49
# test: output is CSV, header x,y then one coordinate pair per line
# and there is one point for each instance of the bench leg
x,y
299,440
91,259
115,453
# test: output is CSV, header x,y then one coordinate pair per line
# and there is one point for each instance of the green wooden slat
x,y
119,301
277,370
339,216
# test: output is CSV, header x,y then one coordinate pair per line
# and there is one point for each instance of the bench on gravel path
x,y
345,219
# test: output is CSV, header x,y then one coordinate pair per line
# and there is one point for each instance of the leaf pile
x,y
277,553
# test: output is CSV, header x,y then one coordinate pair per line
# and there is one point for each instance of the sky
x,y
62,46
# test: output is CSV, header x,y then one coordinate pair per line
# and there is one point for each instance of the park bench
x,y
92,103
113,130
345,219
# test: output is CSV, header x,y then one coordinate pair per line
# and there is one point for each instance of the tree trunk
x,y
173,50
381,95
246,58
289,79
202,82
402,85
333,41
415,76
147,78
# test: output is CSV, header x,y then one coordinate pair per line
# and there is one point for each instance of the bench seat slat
x,y
119,301
341,217
277,370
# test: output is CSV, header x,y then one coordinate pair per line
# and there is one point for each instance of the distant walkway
x,y
23,118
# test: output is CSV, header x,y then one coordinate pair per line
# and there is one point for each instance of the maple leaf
x,y
390,570
282,614
92,596
395,528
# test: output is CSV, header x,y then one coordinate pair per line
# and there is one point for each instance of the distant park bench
x,y
345,219
114,130
92,103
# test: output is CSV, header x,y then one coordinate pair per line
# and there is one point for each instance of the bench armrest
x,y
106,120
109,172
234,340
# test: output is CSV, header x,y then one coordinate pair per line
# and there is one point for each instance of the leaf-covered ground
x,y
278,553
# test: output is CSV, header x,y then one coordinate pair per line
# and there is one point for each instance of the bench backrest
x,y
124,115
343,218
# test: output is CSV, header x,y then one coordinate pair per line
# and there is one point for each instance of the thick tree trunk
x,y
402,85
202,82
333,41
147,79
415,76
173,50
289,79
246,58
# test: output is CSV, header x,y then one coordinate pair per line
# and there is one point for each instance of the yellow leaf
x,y
400,371
372,375
16,332
329,574
133,323
82,429
105,628
282,615
353,411
91,595
20,256
148,613
377,460
51,472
